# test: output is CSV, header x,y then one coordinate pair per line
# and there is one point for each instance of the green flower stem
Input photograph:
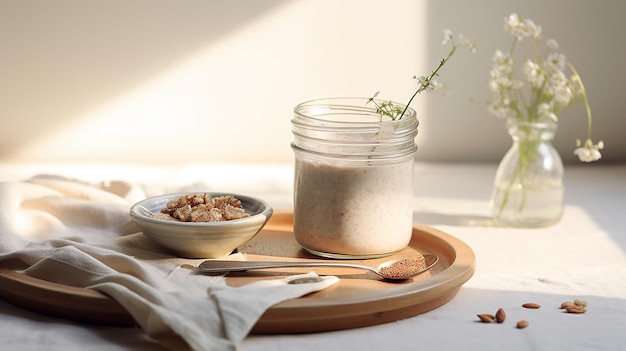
x,y
579,81
430,77
525,151
395,112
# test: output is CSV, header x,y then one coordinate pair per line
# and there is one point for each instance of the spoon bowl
x,y
399,269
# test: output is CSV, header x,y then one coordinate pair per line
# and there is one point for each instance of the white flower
x,y
502,74
533,73
512,22
426,84
544,110
557,60
558,86
521,28
563,96
467,43
588,154
447,36
500,107
500,58
552,44
434,84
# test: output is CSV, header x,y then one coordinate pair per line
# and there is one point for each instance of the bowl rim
x,y
136,213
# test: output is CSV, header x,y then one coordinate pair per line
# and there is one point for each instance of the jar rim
x,y
345,128
354,104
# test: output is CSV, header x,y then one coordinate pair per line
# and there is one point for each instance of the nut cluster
x,y
576,306
499,317
202,208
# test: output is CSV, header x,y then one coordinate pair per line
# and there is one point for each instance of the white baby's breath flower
x,y
588,154
500,106
471,46
434,84
544,110
512,23
500,58
533,73
557,60
502,73
559,88
447,36
426,84
493,86
563,95
552,44
521,27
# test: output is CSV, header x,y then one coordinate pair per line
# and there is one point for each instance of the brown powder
x,y
403,268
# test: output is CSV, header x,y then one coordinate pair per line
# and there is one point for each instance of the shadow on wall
x,y
113,81
73,55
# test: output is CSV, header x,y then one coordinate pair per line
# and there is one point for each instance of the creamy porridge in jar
x,y
355,211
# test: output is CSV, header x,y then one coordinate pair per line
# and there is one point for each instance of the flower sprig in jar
x,y
427,83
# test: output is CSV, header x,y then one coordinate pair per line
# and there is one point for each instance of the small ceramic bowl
x,y
200,239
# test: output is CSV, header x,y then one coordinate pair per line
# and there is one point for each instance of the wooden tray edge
x,y
62,301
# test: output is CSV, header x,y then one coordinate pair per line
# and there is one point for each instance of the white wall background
x,y
215,81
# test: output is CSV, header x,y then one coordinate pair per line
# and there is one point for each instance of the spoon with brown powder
x,y
399,269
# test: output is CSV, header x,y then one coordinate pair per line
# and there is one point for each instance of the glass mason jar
x,y
353,181
528,186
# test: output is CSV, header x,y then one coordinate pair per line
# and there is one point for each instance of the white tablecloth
x,y
584,256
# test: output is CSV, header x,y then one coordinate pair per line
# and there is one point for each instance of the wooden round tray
x,y
359,299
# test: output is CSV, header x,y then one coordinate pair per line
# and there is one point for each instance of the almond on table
x,y
531,305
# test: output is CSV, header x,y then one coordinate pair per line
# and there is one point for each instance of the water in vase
x,y
527,207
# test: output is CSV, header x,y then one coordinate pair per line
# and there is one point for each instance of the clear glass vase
x,y
353,185
528,186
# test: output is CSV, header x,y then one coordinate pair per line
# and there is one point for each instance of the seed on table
x,y
575,309
500,315
522,324
567,304
531,305
486,318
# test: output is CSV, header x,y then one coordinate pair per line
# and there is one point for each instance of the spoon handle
x,y
214,266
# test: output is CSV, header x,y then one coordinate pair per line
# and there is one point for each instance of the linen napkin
x,y
80,234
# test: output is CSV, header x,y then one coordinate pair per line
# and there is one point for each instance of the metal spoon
x,y
399,269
